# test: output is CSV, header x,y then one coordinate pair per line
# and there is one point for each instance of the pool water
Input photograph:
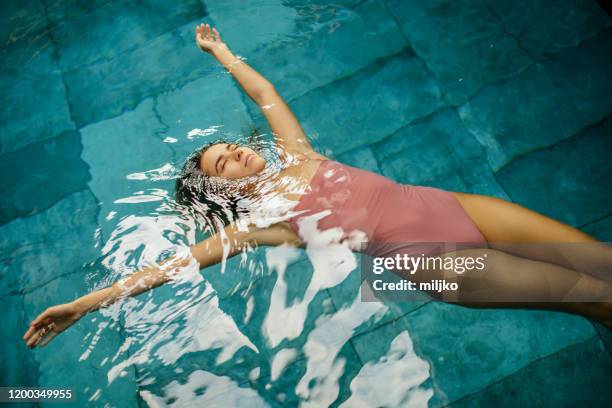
x,y
102,101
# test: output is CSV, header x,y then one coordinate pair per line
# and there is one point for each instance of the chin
x,y
259,165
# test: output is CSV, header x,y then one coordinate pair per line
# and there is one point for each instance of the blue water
x,y
99,105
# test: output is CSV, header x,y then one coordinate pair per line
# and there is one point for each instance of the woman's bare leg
x,y
504,223
509,281
518,230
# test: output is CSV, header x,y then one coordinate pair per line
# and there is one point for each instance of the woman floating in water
x,y
366,207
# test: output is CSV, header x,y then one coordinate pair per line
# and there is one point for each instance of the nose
x,y
237,154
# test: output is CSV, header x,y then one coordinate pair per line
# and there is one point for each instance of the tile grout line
x,y
566,139
552,355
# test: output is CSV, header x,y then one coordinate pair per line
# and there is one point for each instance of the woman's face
x,y
231,161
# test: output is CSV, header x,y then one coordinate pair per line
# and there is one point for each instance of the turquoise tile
x,y
48,245
81,357
361,157
141,163
104,32
58,10
30,56
330,42
21,19
355,110
559,174
546,107
393,374
176,330
32,93
577,376
41,174
108,88
321,378
464,45
437,151
211,104
479,347
201,388
560,24
20,368
368,313
259,22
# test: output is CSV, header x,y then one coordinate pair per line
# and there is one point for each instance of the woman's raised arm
x,y
287,131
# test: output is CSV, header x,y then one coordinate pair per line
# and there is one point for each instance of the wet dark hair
x,y
193,188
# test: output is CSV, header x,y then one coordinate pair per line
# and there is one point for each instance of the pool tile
x,y
171,337
258,23
92,342
130,143
32,94
560,24
461,42
201,388
348,296
560,171
321,378
362,157
330,42
437,151
393,374
577,376
50,244
41,174
58,10
20,19
546,107
479,347
20,368
601,229
212,104
355,110
107,88
117,26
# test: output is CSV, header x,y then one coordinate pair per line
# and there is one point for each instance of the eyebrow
x,y
219,159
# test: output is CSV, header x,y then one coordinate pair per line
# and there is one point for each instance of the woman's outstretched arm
x,y
229,242
287,131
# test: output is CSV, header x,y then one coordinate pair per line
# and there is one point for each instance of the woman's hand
x,y
50,323
207,40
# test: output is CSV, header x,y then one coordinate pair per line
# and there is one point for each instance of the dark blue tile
x,y
469,349
578,376
437,151
547,26
573,174
549,102
330,42
366,107
102,33
20,19
41,174
461,42
50,244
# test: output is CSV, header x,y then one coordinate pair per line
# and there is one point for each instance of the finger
x,y
40,318
217,36
208,35
35,338
31,330
41,338
48,339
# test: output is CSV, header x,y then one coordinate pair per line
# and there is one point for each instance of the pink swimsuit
x,y
394,217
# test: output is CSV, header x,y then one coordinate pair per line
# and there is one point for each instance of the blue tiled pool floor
x,y
509,99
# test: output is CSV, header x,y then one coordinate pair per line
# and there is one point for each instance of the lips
x,y
246,161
